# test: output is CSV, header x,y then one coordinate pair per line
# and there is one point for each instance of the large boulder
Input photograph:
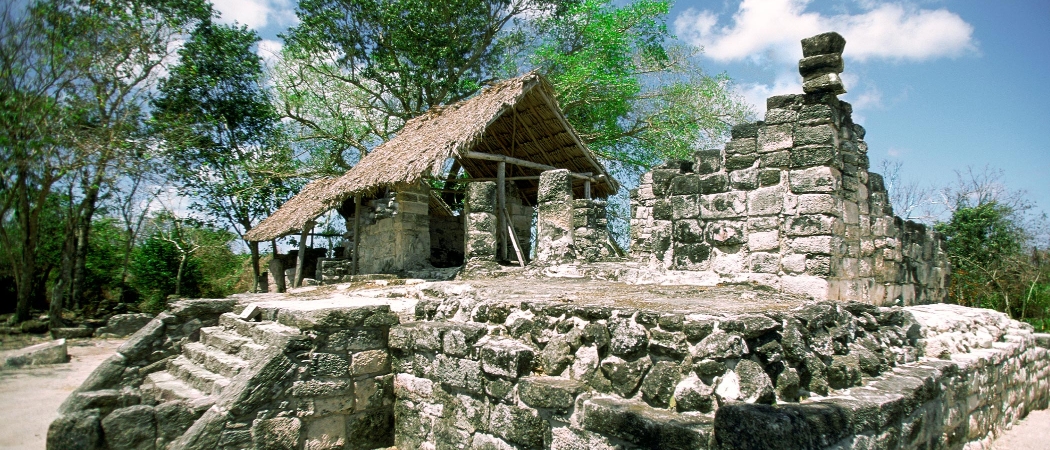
x,y
122,325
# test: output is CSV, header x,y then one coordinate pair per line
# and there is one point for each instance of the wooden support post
x,y
501,205
357,234
587,189
298,281
513,237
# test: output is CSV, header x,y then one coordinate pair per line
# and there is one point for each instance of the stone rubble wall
x,y
569,230
552,375
789,202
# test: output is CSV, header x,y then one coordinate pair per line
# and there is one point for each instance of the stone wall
x,y
841,375
395,237
569,229
482,244
789,202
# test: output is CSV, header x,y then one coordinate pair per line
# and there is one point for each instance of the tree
x,y
219,129
35,69
991,242
357,70
634,94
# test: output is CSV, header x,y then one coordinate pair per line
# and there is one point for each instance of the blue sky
x,y
940,85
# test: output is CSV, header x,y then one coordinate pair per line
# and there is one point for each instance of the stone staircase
x,y
207,368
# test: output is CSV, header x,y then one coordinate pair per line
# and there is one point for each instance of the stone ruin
x,y
790,203
785,214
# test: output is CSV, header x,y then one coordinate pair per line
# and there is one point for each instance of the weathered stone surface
x,y
122,325
707,161
792,426
788,385
823,44
506,358
370,362
370,429
173,419
821,63
521,426
627,337
53,352
721,345
81,430
549,392
625,375
276,433
828,82
134,427
641,425
659,384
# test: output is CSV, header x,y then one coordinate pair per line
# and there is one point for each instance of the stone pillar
x,y
554,223
481,221
591,234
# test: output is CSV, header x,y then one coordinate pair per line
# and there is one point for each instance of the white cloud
x,y
773,28
256,14
269,50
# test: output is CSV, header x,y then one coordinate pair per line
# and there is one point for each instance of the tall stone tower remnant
x,y
789,203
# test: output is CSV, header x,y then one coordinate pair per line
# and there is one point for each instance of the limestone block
x,y
823,134
625,375
766,223
763,241
816,287
692,256
817,113
555,186
644,426
370,362
824,245
659,384
549,392
815,224
684,207
481,196
79,430
818,204
820,265
744,146
662,180
768,177
772,138
122,325
276,433
828,82
777,159
521,426
370,429
688,231
692,394
744,179
744,130
668,343
371,393
815,180
822,44
721,206
817,64
662,209
779,116
729,262
720,345
707,161
714,183
128,428
506,358
686,184
765,201
627,337
52,352
736,162
725,233
810,156
764,262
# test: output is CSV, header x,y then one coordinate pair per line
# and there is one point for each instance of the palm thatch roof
x,y
516,118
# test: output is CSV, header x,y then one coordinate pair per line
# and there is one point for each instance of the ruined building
x,y
732,335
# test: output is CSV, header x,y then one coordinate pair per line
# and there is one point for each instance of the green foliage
x,y
219,127
154,267
993,265
635,95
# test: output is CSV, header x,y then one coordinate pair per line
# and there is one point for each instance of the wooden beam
x,y
475,180
357,234
513,237
298,281
501,203
536,142
529,164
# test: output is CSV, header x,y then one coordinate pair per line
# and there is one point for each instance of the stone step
x,y
163,386
220,338
266,333
196,376
214,359
250,351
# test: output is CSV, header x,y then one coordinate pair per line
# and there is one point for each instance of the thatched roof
x,y
518,118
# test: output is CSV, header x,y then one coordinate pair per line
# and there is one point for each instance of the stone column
x,y
554,234
481,221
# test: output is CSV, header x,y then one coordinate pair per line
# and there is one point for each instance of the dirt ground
x,y
30,396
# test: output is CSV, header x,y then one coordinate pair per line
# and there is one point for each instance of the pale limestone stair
x,y
205,368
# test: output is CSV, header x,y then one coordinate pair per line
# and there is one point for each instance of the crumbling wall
x,y
395,235
481,223
789,202
569,229
491,374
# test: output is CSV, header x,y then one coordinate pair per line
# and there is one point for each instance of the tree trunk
x,y
178,275
254,246
87,211
65,274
